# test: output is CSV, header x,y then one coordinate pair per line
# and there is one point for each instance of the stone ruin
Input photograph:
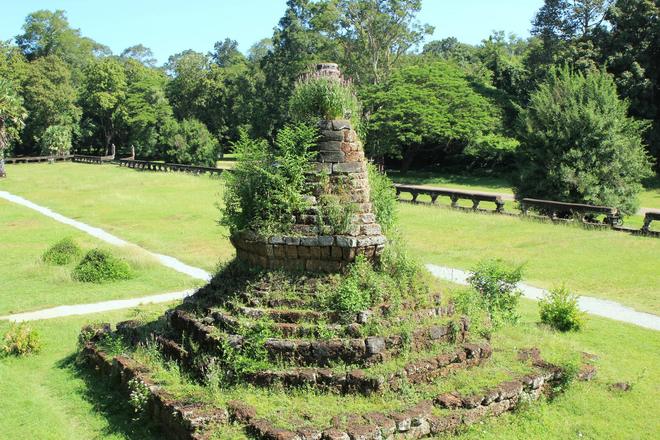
x,y
341,161
371,356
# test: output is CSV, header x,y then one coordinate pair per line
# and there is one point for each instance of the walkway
x,y
594,306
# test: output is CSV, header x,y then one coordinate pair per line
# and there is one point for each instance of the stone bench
x,y
475,197
161,166
649,217
557,210
17,160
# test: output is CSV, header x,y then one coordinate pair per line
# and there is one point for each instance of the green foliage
x,y
12,116
20,340
579,145
322,98
358,289
267,187
139,395
559,309
498,295
99,266
383,198
428,108
252,355
193,144
62,253
56,140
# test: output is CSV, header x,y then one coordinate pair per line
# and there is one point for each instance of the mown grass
x,y
48,396
28,283
172,214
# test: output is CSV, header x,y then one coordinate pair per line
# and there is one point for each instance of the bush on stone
x,y
20,340
62,253
325,98
559,310
267,187
99,266
383,198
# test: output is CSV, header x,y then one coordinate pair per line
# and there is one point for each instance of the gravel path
x,y
593,306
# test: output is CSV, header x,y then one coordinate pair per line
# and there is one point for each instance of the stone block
x,y
292,252
349,136
309,241
341,124
326,240
322,168
279,251
325,252
292,241
331,156
347,167
276,240
375,345
371,241
331,146
371,229
303,252
336,253
346,242
333,135
354,156
315,252
348,253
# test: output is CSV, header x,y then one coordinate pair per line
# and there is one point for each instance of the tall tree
x,y
103,97
50,99
225,53
375,34
633,56
141,54
12,115
188,91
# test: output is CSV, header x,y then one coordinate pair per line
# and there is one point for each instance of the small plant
x,y
559,309
62,253
316,98
383,198
358,290
20,340
498,294
99,266
139,395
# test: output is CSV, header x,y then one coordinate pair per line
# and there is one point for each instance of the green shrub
x,y
99,266
578,144
20,340
266,188
383,198
62,253
559,309
316,98
56,140
496,285
193,144
139,395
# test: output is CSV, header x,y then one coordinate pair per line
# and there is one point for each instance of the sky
x,y
171,26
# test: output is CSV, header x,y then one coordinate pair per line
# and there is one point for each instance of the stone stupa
x,y
313,246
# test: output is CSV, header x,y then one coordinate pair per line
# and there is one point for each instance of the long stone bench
x,y
475,197
16,160
161,166
649,217
557,210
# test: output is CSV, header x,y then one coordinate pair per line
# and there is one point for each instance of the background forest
x,y
427,103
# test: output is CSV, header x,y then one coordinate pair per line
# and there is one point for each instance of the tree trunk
x,y
3,173
408,158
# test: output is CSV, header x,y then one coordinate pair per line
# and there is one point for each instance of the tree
x,y
50,99
103,97
56,140
375,34
188,91
225,53
578,144
633,56
569,19
148,116
193,144
141,54
432,109
48,33
259,50
12,115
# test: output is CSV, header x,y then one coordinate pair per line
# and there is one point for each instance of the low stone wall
x,y
307,253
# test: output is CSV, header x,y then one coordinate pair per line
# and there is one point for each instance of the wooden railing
x,y
475,197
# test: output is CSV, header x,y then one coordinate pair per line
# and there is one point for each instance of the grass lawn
x,y
46,396
176,214
27,283
172,214
599,263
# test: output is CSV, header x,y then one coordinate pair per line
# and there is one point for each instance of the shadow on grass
x,y
109,403
441,177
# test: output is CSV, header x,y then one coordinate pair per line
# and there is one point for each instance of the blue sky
x,y
169,26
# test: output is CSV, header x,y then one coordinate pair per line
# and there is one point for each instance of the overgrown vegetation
x,y
495,291
100,266
383,199
267,187
20,340
559,309
324,98
62,253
